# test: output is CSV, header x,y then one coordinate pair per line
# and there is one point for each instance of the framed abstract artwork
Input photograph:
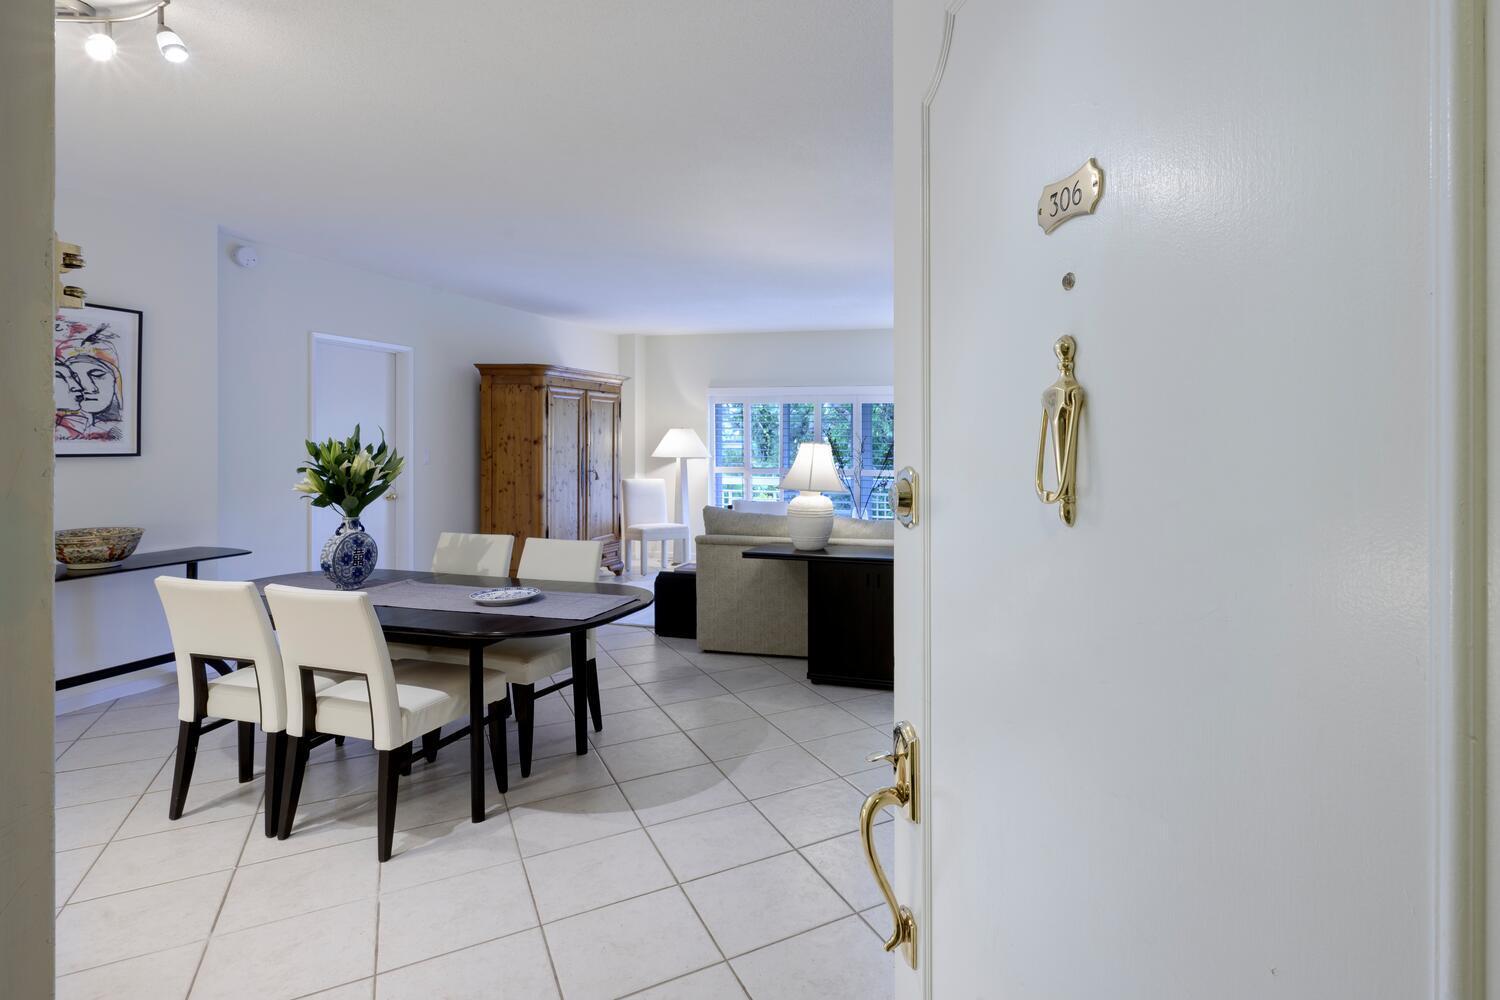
x,y
96,381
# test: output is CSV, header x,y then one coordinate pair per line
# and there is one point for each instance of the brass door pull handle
x,y
1062,407
903,796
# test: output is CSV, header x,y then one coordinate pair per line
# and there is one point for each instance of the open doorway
x,y
368,384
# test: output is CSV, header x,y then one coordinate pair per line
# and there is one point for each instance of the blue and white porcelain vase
x,y
348,557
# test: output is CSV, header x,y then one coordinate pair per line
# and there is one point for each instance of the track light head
x,y
173,48
100,46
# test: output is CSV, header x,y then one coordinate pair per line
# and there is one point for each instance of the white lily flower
x,y
362,463
307,486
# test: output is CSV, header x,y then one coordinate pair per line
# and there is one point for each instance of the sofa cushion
x,y
850,530
718,521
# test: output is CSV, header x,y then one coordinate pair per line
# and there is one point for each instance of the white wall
x,y
144,257
673,376
225,357
265,317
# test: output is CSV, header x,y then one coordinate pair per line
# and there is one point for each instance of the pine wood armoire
x,y
549,455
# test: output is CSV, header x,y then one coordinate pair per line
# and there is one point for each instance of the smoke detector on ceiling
x,y
246,256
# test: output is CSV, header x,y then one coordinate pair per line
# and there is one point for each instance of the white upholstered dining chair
x,y
646,520
469,554
335,634
212,622
526,662
461,553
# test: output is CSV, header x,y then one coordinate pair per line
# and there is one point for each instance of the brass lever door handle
x,y
902,795
1062,407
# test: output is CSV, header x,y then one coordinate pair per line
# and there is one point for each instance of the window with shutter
x,y
755,434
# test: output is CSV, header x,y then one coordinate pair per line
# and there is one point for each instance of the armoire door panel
x,y
564,448
603,471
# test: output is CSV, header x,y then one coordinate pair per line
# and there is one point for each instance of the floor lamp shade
x,y
681,443
810,514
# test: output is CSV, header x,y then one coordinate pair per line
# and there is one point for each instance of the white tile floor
x,y
704,848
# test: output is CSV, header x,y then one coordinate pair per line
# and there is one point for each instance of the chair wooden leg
x,y
275,779
389,774
296,762
247,750
525,696
595,709
645,555
182,775
430,745
498,763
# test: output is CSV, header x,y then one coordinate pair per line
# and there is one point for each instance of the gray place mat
x,y
455,597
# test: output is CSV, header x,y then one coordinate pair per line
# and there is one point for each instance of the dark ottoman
x,y
677,602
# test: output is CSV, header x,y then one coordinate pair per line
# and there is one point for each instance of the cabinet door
x,y
564,485
602,478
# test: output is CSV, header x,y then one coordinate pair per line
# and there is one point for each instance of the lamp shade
x,y
680,442
814,470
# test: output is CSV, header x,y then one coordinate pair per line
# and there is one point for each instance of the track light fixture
x,y
100,44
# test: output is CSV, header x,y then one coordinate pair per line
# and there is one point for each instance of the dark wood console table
x,y
850,612
189,557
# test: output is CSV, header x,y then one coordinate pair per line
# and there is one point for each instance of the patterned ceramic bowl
x,y
95,548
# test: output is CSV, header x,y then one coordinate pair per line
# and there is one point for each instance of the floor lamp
x,y
681,443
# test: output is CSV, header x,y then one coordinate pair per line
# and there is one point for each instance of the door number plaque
x,y
1074,195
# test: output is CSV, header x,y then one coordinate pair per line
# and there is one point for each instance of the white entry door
x,y
356,383
1192,746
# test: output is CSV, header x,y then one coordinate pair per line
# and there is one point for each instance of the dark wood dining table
x,y
475,631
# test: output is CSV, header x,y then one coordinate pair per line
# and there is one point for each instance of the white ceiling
x,y
639,165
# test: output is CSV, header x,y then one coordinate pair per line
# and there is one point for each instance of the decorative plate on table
x,y
502,596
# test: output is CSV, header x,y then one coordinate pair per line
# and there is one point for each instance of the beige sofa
x,y
760,605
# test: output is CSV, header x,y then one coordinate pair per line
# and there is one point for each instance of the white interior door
x,y
1185,748
355,383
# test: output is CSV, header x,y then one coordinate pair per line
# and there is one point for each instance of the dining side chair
x,y
644,514
211,623
526,662
335,634
468,554
461,553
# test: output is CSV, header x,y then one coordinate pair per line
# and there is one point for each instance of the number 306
x,y
1067,198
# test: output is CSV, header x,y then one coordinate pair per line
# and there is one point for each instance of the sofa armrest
x,y
756,606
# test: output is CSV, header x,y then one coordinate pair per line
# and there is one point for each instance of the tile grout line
x,y
218,912
536,909
82,878
677,881
103,712
676,728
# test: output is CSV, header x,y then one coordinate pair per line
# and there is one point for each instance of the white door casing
x,y
1216,740
368,383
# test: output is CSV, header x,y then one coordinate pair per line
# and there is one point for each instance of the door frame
x,y
406,428
1465,770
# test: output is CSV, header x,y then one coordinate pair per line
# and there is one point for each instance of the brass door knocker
x,y
1062,408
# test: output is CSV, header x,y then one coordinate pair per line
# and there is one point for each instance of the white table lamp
x,y
681,443
810,514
